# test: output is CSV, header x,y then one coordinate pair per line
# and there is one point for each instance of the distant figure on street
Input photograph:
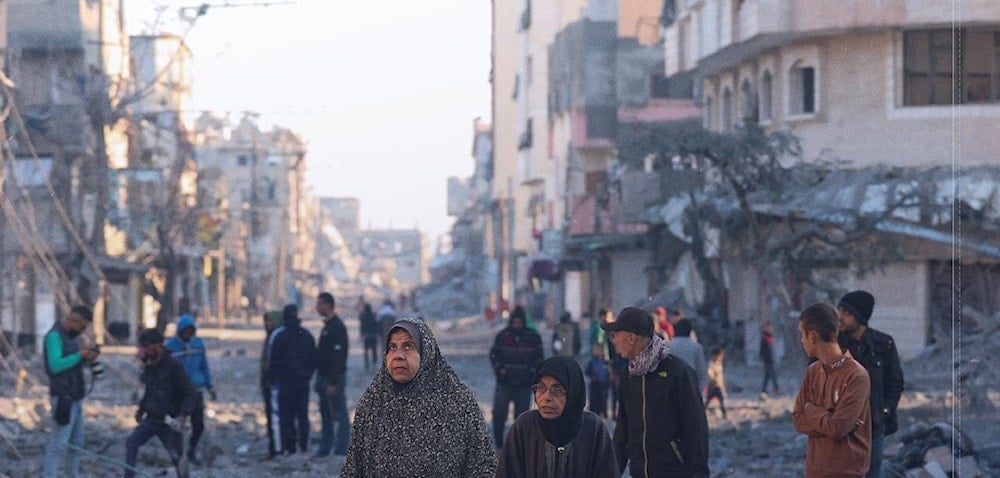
x,y
876,351
661,323
832,407
386,316
490,315
331,379
566,337
559,439
716,380
272,321
599,374
371,330
291,362
670,438
169,395
688,350
597,334
417,418
516,353
767,357
618,363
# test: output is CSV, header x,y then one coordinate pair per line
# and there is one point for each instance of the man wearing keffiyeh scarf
x,y
661,429
417,419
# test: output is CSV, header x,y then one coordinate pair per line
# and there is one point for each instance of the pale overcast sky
x,y
385,92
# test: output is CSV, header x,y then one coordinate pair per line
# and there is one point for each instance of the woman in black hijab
x,y
558,439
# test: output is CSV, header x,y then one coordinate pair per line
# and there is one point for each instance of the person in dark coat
x,y
516,354
876,351
566,336
292,360
169,395
767,357
272,321
331,379
559,439
417,418
661,428
370,332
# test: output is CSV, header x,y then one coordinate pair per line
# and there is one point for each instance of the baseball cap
x,y
632,319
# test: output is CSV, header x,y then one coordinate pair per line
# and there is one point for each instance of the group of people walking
x,y
290,359
417,418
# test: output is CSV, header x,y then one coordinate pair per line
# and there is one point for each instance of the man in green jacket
x,y
64,360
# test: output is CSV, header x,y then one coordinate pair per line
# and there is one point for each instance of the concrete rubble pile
x,y
939,451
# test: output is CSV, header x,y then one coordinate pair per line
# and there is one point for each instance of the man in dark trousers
x,y
189,350
169,395
876,351
64,361
291,362
272,321
331,373
767,357
516,353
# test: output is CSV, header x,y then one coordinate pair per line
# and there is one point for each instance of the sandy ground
x,y
757,439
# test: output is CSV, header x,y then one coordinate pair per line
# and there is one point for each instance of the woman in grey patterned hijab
x,y
417,418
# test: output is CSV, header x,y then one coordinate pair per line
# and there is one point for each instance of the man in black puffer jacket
x,y
877,352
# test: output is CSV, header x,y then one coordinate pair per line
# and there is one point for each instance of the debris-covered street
x,y
756,440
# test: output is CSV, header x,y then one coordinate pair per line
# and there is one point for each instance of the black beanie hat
x,y
860,304
290,312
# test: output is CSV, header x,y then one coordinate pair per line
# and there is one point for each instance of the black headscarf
x,y
562,430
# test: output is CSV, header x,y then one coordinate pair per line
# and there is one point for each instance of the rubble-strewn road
x,y
757,440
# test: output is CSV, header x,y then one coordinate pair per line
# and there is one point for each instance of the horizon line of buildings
x,y
116,195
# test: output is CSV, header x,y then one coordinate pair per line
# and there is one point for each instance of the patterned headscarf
x,y
431,426
649,358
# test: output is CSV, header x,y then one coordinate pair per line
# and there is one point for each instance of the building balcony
x,y
592,215
56,24
756,26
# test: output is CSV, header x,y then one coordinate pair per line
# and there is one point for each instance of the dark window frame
x,y
931,60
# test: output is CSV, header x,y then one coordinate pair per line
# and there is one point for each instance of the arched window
x,y
707,114
748,104
766,89
726,117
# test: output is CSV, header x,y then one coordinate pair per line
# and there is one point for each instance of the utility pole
x,y
511,254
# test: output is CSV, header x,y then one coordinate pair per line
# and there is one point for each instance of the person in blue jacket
x,y
189,351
